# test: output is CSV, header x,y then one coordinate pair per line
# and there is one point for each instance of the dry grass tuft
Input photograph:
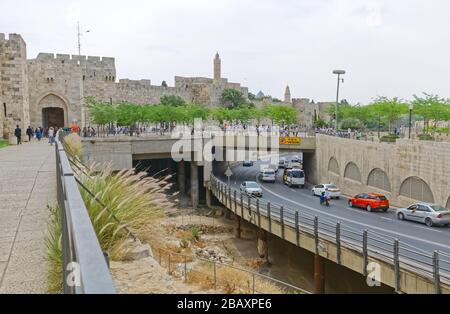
x,y
72,145
133,202
230,280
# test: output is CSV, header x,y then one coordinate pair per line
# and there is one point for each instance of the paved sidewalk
x,y
27,185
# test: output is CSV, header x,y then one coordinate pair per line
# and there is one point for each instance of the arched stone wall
x,y
417,189
352,172
333,166
379,179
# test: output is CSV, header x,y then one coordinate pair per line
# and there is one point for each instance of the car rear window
x,y
438,208
381,198
269,171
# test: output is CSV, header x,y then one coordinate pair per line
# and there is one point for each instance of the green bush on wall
x,y
391,138
425,137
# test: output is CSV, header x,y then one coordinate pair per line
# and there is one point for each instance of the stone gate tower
x,y
14,98
217,68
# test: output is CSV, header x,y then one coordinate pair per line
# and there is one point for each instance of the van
x,y
294,177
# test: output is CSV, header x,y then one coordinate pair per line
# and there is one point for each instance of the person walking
x,y
38,133
51,136
29,133
18,134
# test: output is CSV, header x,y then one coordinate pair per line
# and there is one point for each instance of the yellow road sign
x,y
290,140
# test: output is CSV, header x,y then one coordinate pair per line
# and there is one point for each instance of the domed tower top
x,y
287,95
217,67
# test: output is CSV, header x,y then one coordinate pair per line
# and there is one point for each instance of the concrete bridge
x,y
406,172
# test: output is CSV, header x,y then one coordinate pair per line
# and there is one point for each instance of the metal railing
x,y
434,266
227,277
85,270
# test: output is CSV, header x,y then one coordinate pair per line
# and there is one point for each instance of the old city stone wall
x,y
406,171
30,87
14,98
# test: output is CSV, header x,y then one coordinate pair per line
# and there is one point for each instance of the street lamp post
x,y
410,120
339,80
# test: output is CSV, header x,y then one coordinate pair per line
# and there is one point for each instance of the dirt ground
x,y
198,246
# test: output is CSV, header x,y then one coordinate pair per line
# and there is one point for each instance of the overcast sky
x,y
389,48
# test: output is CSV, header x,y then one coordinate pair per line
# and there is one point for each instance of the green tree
x,y
432,108
232,98
281,115
172,101
352,123
390,109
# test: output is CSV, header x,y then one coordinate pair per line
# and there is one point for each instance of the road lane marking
x,y
359,223
385,218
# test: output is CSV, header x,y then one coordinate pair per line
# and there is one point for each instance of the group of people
x,y
38,133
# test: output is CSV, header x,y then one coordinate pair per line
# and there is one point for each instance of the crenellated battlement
x,y
12,39
106,62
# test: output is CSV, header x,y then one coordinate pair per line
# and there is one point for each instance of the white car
x,y
296,159
282,162
251,188
429,214
334,191
268,175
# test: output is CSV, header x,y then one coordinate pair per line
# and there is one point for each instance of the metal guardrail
x,y
85,270
435,266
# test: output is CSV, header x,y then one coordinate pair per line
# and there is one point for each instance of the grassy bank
x,y
4,143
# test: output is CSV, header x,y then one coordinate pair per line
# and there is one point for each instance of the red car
x,y
370,202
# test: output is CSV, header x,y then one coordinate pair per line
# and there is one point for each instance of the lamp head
x,y
339,72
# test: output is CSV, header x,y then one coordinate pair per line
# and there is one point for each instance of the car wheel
x,y
369,208
385,210
401,216
338,197
313,193
429,222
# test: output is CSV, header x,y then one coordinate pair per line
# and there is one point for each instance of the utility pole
x,y
83,109
339,73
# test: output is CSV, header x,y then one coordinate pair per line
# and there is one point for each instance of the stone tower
x,y
217,67
287,95
14,96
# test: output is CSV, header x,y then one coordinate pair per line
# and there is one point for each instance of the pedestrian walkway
x,y
27,185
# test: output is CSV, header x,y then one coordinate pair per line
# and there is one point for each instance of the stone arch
x,y
379,179
50,101
333,166
417,189
352,172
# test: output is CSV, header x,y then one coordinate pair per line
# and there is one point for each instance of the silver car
x,y
429,214
251,188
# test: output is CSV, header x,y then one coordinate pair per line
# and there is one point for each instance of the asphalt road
x,y
381,226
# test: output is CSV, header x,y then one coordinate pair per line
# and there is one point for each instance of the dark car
x,y
248,163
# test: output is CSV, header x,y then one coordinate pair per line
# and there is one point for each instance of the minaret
x,y
287,95
217,67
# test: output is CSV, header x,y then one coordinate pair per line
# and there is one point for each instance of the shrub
x,y
72,145
196,233
425,137
391,138
132,202
54,251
